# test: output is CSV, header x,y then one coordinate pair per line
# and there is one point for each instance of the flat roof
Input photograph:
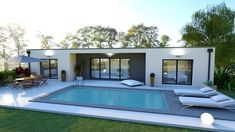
x,y
119,48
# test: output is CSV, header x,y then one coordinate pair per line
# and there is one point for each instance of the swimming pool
x,y
108,97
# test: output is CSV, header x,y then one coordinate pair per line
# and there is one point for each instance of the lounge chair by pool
x,y
203,92
217,101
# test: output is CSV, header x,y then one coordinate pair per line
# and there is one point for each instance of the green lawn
x,y
23,120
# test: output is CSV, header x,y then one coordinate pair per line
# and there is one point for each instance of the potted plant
x,y
63,75
152,79
79,70
210,84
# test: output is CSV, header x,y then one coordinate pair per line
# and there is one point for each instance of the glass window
x,y
125,68
115,70
104,68
49,68
184,72
110,68
177,72
95,68
169,71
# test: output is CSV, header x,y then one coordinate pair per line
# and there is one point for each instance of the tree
x,y
141,36
83,38
17,35
123,39
66,42
111,37
164,41
213,27
46,40
99,36
4,37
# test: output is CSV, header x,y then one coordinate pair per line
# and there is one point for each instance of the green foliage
x,y
209,83
213,27
141,36
66,42
4,76
224,77
164,41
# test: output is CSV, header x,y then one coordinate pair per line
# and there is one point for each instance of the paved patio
x,y
20,99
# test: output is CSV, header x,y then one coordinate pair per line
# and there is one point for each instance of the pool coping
x,y
41,99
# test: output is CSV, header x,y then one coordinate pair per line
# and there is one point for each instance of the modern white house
x,y
172,66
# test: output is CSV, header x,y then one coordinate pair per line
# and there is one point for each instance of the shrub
x,y
4,76
224,77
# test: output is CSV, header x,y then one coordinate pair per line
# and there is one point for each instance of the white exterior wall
x,y
154,57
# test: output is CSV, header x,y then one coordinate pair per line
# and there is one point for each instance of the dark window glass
x,y
49,68
95,68
125,68
104,67
115,70
177,72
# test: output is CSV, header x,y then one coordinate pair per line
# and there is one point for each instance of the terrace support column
x,y
28,52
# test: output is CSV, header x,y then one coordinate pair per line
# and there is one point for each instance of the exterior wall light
x,y
48,53
207,119
110,54
177,52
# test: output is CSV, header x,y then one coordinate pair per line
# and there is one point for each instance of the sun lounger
x,y
203,92
217,101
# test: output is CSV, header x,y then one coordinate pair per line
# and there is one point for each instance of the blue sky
x,y
57,18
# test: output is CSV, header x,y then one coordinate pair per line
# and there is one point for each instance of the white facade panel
x,y
153,61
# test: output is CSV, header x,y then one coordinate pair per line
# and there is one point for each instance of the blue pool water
x,y
115,98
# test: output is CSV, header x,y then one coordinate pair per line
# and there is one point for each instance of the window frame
x,y
119,78
177,65
49,67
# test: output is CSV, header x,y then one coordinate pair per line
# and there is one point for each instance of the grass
x,y
24,120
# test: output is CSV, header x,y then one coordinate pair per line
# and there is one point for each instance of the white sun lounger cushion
x,y
194,92
206,89
131,83
219,98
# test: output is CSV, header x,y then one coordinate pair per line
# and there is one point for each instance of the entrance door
x,y
49,68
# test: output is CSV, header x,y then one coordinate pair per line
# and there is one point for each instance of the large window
x,y
49,68
110,68
177,72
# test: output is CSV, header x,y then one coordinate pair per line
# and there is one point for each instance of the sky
x,y
58,17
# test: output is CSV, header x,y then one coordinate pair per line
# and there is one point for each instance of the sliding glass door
x,y
177,72
110,68
49,68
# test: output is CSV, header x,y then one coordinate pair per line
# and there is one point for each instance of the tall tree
x,y
142,36
111,37
164,41
66,42
46,40
83,38
17,34
213,27
99,36
4,37
122,38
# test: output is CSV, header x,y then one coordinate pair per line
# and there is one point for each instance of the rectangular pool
x,y
107,97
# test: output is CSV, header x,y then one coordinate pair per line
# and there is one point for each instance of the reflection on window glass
x,y
125,68
95,68
104,64
177,71
184,72
115,68
110,68
169,71
49,68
